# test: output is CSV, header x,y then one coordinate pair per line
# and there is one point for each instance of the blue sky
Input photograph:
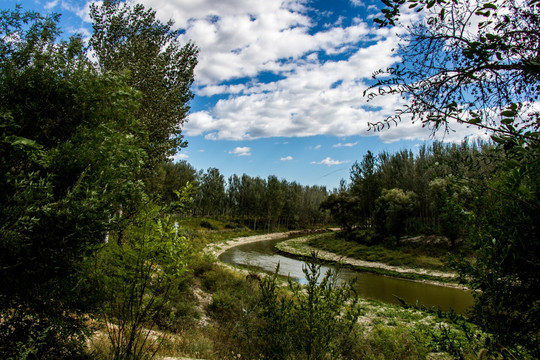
x,y
279,85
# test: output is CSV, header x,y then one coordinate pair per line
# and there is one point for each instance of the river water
x,y
264,256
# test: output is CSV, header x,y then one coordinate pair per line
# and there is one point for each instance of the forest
x,y
104,241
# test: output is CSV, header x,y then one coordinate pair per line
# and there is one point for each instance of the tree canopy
x,y
131,40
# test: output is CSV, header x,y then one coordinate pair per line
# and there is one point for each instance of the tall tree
x,y
365,185
132,40
210,197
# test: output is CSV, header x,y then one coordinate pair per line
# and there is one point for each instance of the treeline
x,y
408,193
252,201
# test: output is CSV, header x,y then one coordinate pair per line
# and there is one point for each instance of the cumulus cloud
x,y
241,151
51,4
277,72
286,158
330,162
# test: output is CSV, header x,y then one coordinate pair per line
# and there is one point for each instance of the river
x,y
264,256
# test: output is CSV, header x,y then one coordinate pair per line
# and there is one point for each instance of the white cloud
x,y
319,73
330,162
286,158
51,4
338,145
316,147
241,151
179,156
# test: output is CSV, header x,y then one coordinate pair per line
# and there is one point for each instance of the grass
x,y
412,255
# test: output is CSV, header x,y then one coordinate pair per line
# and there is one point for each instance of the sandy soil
x,y
219,248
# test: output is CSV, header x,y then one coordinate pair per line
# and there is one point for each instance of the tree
x,y
210,197
70,151
448,199
137,281
365,185
169,177
342,207
394,206
468,61
131,40
477,62
274,201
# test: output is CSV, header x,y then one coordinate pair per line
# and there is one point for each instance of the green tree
x,y
394,206
70,150
365,185
315,321
136,281
342,207
169,177
273,200
210,196
132,40
448,199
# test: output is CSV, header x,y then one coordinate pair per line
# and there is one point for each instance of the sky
x,y
279,84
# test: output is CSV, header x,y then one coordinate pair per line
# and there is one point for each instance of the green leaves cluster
x,y
314,321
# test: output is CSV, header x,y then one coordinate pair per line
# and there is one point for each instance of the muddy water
x,y
263,255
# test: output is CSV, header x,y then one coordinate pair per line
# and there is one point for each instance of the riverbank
x,y
216,249
298,247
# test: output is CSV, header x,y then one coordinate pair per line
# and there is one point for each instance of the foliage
x,y
448,198
137,279
167,178
259,203
365,185
315,322
393,208
342,207
70,150
477,62
132,40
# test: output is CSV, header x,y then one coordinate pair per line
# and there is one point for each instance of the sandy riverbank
x,y
299,247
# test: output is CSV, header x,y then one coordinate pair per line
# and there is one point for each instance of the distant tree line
x,y
253,201
407,193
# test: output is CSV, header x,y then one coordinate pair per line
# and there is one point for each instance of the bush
x,y
207,225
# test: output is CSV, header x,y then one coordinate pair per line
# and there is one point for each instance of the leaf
x,y
442,14
508,113
490,6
